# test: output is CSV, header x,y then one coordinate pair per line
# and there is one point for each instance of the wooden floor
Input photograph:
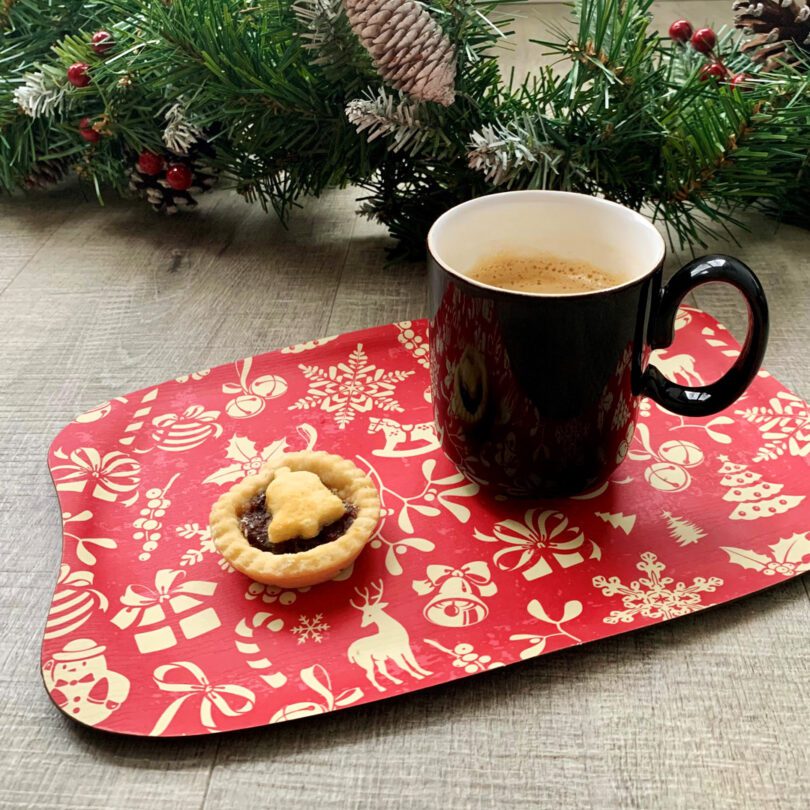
x,y
710,711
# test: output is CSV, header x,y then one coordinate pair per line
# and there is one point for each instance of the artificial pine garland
x,y
406,100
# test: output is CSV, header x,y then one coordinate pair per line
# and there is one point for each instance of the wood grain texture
x,y
708,711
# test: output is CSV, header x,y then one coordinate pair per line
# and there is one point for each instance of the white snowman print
x,y
80,683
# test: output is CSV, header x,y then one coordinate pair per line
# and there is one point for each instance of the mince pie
x,y
299,521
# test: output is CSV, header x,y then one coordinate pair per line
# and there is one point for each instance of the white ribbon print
x,y
473,576
144,603
230,700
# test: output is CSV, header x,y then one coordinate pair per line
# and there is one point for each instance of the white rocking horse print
x,y
389,643
402,441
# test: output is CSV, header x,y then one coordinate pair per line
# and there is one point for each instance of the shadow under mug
x,y
536,394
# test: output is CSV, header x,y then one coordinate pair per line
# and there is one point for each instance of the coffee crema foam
x,y
542,273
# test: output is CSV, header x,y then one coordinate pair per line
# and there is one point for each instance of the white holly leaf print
x,y
247,460
240,448
746,557
275,448
792,549
571,610
233,472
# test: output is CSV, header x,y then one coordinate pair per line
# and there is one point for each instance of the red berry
x,y
87,132
704,40
714,70
102,41
681,31
740,81
150,163
179,176
77,74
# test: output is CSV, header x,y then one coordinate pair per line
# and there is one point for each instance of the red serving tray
x,y
151,633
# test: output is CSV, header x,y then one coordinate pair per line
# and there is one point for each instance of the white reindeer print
x,y
677,365
389,643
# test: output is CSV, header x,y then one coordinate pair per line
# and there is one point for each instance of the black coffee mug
x,y
536,394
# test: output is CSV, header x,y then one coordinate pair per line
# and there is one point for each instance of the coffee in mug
x,y
544,309
543,273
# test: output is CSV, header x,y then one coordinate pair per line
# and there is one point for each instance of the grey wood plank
x,y
707,711
28,222
122,300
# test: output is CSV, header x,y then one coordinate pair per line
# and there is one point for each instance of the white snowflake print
x,y
349,388
314,628
652,596
192,556
785,425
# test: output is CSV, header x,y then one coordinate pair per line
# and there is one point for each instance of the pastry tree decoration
x,y
408,47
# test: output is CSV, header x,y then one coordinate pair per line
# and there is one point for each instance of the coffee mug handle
x,y
707,399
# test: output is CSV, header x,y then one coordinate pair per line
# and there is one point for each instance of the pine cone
x,y
166,200
408,47
776,25
47,173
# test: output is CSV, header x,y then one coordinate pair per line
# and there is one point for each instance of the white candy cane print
x,y
247,645
138,418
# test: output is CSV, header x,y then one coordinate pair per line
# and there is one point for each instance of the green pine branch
x,y
290,105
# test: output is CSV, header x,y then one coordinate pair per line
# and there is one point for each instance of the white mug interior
x,y
570,226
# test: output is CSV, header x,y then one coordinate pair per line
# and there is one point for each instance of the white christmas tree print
x,y
655,596
682,530
785,425
349,388
790,556
618,520
754,497
314,628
